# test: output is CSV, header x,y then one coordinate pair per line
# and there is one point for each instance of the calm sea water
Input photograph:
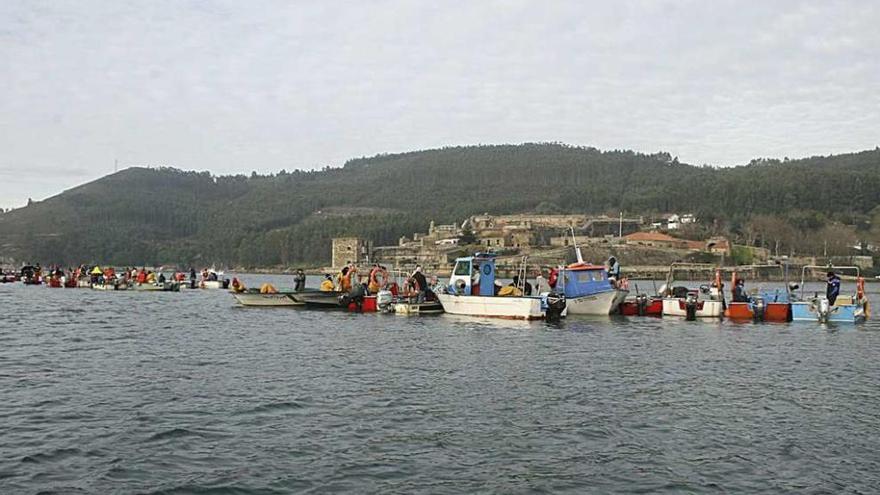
x,y
132,392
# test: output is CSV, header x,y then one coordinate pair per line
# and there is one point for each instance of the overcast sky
x,y
237,86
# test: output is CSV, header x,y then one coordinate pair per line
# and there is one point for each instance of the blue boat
x,y
848,308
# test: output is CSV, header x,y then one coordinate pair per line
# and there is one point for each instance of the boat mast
x,y
577,250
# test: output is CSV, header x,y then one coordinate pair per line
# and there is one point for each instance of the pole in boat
x,y
577,250
620,226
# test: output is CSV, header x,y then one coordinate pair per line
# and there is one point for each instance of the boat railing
x,y
829,268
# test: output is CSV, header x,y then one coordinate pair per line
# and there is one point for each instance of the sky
x,y
234,87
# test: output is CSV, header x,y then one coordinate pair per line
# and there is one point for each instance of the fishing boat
x,y
763,305
705,302
587,289
254,297
847,308
471,292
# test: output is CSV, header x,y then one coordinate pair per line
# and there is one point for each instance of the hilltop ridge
x,y
165,215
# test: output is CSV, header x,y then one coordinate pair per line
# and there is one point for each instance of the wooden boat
x,y
848,308
253,297
705,302
475,296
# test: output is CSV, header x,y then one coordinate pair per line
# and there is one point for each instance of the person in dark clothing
x,y
527,287
299,281
833,288
739,291
421,284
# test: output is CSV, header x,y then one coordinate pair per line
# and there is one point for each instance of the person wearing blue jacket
x,y
833,289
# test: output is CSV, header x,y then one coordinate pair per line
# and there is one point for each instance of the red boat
x,y
642,305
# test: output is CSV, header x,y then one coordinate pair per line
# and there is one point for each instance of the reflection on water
x,y
135,392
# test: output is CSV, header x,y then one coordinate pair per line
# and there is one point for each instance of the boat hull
x,y
775,312
517,308
602,303
844,313
673,306
266,300
426,308
653,307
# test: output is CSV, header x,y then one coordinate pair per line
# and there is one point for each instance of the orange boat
x,y
763,307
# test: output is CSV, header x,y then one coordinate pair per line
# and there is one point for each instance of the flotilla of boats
x,y
473,289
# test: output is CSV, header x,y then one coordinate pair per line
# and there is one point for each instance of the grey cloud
x,y
232,87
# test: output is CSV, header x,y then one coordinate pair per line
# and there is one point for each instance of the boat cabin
x,y
581,279
473,275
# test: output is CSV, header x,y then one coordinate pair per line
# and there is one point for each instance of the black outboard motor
x,y
555,307
356,296
690,307
758,307
225,283
642,304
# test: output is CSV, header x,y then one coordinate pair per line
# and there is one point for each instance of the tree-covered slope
x,y
151,216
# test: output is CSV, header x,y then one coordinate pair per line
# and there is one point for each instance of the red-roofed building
x,y
656,239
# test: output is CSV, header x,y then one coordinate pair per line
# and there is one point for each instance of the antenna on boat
x,y
577,250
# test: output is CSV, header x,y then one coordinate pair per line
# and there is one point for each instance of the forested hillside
x,y
156,216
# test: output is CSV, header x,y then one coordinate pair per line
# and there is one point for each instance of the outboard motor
x,y
690,307
758,307
823,308
225,283
555,306
384,299
642,304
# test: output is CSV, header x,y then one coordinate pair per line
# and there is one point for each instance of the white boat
x,y
705,302
471,292
520,308
702,308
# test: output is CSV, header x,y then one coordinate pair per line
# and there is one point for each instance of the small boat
x,y
586,287
414,308
642,305
705,302
253,297
851,308
157,287
475,295
772,306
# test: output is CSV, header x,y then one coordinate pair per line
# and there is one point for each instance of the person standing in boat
x,y
541,285
739,291
299,281
613,271
420,284
833,288
475,280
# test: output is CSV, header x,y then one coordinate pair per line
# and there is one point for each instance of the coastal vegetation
x,y
155,216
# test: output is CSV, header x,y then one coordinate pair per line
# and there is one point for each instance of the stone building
x,y
351,249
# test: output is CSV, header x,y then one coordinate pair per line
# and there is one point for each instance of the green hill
x,y
152,216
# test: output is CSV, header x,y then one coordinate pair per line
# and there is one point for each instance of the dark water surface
x,y
133,392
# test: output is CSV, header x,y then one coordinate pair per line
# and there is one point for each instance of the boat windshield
x,y
462,268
